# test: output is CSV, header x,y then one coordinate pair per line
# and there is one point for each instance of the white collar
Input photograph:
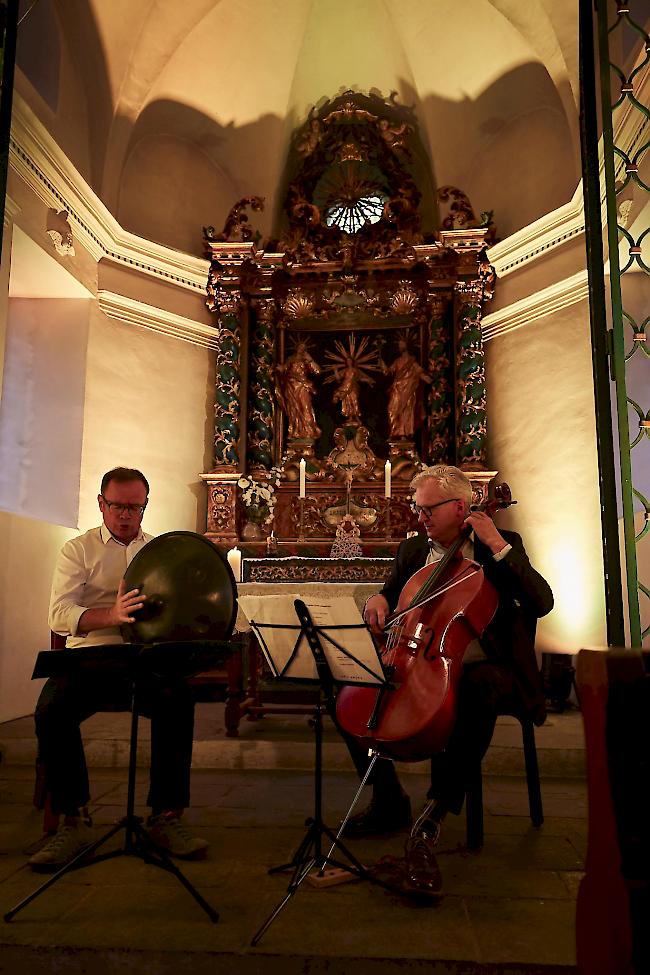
x,y
106,536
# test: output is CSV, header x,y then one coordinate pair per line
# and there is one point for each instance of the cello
x,y
441,609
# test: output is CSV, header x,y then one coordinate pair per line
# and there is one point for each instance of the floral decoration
x,y
259,496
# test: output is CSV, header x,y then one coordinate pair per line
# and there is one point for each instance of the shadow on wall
x,y
60,52
184,170
510,150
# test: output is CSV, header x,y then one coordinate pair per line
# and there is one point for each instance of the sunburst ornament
x,y
363,358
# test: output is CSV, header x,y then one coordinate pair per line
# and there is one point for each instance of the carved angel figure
x,y
347,393
295,391
407,373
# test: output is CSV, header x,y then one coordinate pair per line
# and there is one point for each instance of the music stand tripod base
x,y
310,855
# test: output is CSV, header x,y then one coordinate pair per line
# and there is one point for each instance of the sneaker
x,y
378,818
171,835
68,841
422,870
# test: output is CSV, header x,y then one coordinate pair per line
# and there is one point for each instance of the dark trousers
x,y
65,702
485,690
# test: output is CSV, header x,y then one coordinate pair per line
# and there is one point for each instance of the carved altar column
x,y
440,416
261,387
224,299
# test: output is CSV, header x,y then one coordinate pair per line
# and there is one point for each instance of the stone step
x,y
286,742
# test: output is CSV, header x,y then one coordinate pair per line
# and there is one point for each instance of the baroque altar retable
x,y
351,340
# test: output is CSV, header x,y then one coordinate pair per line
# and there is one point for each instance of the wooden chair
x,y
614,896
474,797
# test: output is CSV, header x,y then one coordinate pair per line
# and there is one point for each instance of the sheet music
x,y
278,645
359,664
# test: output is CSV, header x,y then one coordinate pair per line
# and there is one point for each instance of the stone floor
x,y
508,909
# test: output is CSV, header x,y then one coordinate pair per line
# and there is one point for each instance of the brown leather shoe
x,y
377,818
422,870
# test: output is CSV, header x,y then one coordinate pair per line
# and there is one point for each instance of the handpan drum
x,y
190,589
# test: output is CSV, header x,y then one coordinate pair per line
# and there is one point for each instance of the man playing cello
x,y
498,670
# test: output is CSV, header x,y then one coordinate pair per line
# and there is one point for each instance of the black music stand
x,y
310,853
173,659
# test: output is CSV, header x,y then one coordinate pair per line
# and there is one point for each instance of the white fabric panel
x,y
42,409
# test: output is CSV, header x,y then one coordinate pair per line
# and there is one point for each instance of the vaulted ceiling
x,y
173,111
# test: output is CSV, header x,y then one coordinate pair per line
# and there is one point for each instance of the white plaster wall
x,y
148,405
41,413
29,550
543,443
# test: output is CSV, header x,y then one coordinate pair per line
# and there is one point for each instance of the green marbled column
x,y
227,392
261,386
470,388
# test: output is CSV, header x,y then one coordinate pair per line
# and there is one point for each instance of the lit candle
x,y
303,478
234,561
387,469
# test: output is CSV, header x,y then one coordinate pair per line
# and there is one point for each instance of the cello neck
x,y
502,499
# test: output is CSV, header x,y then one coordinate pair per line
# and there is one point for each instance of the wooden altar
x,y
350,350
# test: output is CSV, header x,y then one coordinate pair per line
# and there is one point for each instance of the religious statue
x,y
347,393
403,413
350,368
295,390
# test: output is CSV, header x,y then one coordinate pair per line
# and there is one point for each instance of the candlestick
x,y
387,471
303,478
234,561
301,526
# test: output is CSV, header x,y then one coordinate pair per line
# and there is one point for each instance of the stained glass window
x,y
350,217
351,193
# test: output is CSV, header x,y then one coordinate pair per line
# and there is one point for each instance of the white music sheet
x,y
359,665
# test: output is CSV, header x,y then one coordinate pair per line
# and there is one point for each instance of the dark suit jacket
x,y
524,596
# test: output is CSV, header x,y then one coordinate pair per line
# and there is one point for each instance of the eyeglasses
x,y
426,509
121,509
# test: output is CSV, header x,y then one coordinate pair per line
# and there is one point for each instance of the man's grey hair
x,y
453,483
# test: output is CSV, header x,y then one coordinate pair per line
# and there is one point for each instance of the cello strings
x,y
466,574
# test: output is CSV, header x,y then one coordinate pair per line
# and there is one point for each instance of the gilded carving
x,y
222,509
405,411
318,570
350,367
366,280
295,392
236,226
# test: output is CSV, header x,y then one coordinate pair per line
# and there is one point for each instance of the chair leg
x,y
532,774
474,809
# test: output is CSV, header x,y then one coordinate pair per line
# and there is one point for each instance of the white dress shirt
x,y
87,573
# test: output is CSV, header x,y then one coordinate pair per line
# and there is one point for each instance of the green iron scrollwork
x,y
626,191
